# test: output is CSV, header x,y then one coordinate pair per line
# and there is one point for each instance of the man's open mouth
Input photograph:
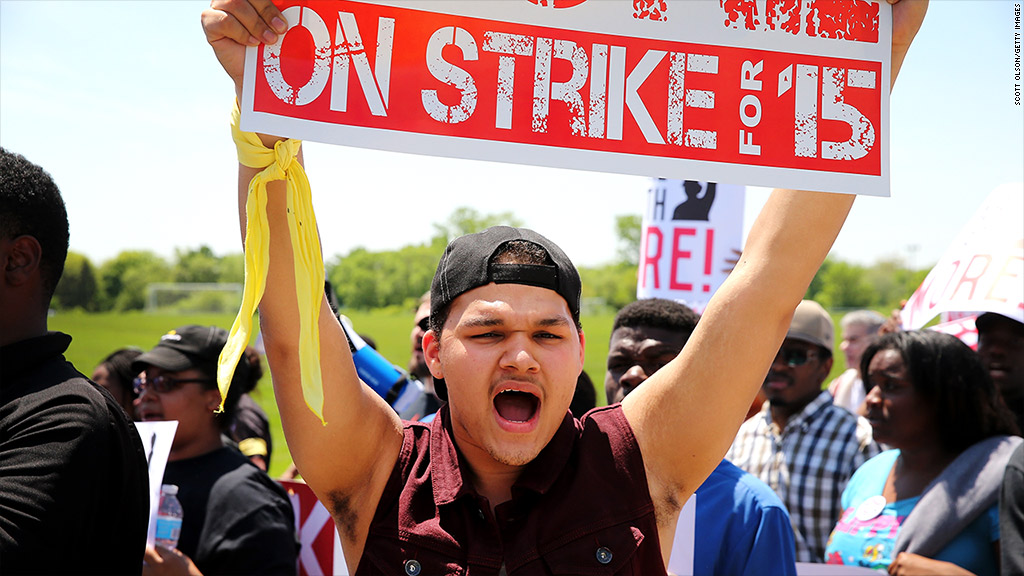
x,y
516,405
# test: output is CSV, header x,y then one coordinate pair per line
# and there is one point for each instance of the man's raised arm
x,y
347,458
686,415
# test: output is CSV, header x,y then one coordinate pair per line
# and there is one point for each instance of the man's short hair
x,y
31,205
657,313
869,319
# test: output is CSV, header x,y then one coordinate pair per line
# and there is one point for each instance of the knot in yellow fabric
x,y
278,164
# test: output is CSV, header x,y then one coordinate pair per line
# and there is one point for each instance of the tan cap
x,y
811,323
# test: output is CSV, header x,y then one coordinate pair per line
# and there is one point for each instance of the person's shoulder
x,y
604,420
879,464
746,486
751,428
864,432
241,479
841,417
1017,459
72,398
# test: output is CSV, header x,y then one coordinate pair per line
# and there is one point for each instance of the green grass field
x,y
96,335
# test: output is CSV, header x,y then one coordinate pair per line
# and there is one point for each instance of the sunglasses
x,y
163,384
424,324
794,357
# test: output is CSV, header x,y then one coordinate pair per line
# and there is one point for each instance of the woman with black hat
x,y
236,519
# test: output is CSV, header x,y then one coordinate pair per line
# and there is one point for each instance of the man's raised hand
x,y
907,16
231,25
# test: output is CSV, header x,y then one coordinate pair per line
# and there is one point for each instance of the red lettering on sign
x,y
936,296
855,20
678,255
709,245
557,3
843,19
973,272
1009,272
650,10
649,260
315,529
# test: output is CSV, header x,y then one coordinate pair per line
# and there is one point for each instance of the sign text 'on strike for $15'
x,y
699,93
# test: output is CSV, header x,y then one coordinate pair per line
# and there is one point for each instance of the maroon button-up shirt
x,y
581,507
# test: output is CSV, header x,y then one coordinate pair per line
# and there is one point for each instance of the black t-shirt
x,y
250,429
73,480
237,520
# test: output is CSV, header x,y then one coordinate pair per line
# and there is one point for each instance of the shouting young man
x,y
504,481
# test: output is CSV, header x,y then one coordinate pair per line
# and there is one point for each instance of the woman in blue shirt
x,y
930,398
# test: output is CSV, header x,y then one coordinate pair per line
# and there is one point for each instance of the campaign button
x,y
870,508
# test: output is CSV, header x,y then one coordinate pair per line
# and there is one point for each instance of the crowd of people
x,y
714,454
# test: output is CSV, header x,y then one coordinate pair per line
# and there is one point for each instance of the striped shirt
x,y
808,464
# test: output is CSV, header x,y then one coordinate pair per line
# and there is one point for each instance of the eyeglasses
x,y
794,357
163,384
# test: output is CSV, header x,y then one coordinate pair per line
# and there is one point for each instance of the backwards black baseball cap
x,y
468,263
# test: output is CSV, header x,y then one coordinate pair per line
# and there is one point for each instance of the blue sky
x,y
125,105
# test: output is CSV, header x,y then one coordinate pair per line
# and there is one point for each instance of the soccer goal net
x,y
193,297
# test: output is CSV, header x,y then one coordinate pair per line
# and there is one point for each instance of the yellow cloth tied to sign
x,y
279,164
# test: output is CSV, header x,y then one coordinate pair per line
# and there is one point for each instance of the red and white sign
x,y
962,327
320,548
790,93
691,236
983,270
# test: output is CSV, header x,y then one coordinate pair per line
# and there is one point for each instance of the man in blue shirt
x,y
734,524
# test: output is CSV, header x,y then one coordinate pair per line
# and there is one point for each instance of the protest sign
x,y
319,545
788,93
961,327
692,234
157,438
983,270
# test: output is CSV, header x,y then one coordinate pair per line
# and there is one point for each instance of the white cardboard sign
x,y
983,270
691,236
157,438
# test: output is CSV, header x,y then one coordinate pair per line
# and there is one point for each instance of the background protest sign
x,y
691,235
319,545
962,327
792,94
983,270
157,438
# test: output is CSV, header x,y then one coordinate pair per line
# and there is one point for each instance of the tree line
x,y
366,279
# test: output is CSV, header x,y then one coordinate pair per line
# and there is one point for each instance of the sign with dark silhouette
x,y
698,201
691,236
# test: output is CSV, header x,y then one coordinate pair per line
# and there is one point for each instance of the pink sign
x,y
983,270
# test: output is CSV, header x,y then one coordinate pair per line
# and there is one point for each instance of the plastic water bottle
x,y
168,517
